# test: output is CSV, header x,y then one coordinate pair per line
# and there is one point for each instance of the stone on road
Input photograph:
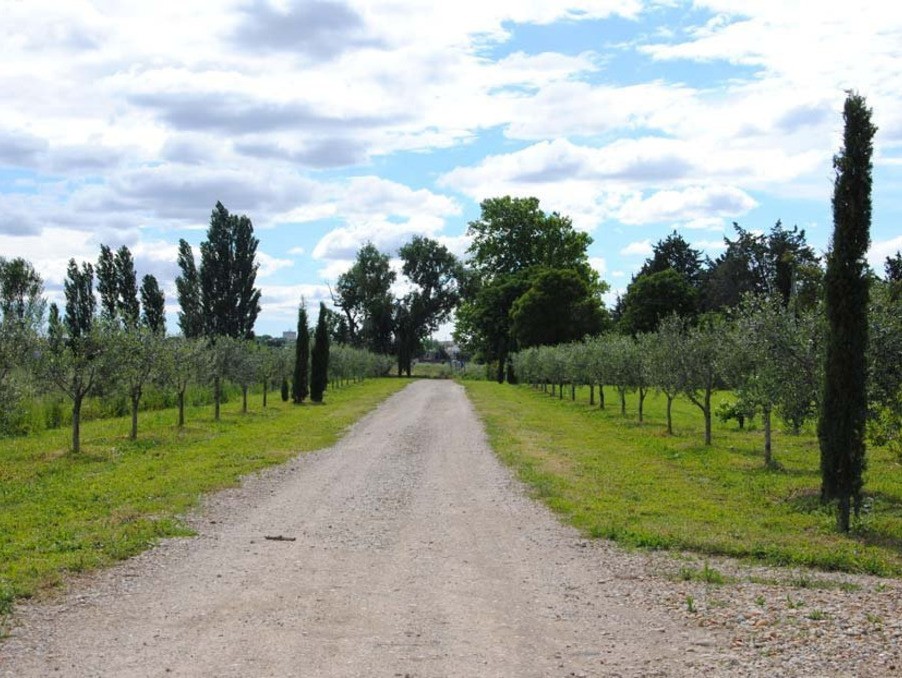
x,y
406,550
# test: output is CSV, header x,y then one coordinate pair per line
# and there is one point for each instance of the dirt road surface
x,y
407,550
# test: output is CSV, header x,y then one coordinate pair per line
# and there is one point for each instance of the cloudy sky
x,y
330,123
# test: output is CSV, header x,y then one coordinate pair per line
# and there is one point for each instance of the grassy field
x,y
615,478
70,513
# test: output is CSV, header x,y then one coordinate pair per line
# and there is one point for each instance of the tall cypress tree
x,y
844,408
300,384
191,318
319,360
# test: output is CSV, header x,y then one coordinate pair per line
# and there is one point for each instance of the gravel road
x,y
405,550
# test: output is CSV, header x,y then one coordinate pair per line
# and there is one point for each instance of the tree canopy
x,y
230,301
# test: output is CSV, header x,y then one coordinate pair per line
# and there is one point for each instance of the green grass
x,y
612,477
62,513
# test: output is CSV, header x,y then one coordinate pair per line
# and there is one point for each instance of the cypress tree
x,y
319,363
844,407
300,385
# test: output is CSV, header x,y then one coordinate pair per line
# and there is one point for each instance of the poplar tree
x,y
154,304
191,319
107,284
230,301
127,286
300,384
319,360
841,428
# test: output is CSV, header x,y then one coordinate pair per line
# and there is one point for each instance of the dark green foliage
x,y
653,296
673,252
844,407
885,364
21,290
439,278
319,358
107,284
284,390
300,387
191,318
127,285
893,269
80,302
364,296
780,263
154,305
514,240
558,307
513,234
484,324
228,272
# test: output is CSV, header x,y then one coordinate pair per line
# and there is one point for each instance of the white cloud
x,y
641,248
699,202
269,265
882,249
280,302
702,224
599,264
296,251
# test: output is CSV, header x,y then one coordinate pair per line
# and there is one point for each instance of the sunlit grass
x,y
61,512
615,478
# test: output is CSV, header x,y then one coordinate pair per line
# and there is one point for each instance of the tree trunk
x,y
591,394
572,391
182,408
707,410
217,386
622,392
560,391
600,396
768,458
136,398
265,389
669,415
76,423
642,393
243,399
842,514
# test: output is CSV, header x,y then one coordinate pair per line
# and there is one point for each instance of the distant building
x,y
290,336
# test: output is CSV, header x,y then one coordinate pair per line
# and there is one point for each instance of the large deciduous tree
x,y
841,427
653,296
558,307
363,293
511,241
439,279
